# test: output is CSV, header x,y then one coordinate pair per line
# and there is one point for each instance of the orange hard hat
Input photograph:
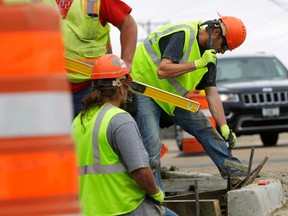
x,y
234,31
109,66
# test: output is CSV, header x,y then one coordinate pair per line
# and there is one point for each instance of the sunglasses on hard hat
x,y
224,45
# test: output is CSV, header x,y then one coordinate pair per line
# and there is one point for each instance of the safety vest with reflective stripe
x,y
148,56
84,36
106,187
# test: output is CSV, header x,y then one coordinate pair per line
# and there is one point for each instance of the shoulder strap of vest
x,y
149,49
97,167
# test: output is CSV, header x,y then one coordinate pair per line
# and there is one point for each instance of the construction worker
x,y
175,58
86,30
114,173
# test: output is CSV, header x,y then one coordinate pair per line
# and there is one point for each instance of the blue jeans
x,y
169,212
77,99
147,118
196,124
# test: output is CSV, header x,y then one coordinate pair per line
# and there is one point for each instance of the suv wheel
x,y
269,139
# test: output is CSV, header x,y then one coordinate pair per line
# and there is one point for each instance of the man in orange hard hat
x,y
114,173
179,58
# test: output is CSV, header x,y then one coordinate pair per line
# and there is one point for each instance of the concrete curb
x,y
256,199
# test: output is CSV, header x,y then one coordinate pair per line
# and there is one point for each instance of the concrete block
x,y
256,200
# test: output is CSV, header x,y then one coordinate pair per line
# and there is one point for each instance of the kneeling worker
x,y
114,173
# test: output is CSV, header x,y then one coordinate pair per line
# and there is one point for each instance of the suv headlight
x,y
233,98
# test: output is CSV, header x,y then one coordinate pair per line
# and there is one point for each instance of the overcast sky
x,y
266,20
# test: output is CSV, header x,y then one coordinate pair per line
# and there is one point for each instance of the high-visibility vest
x,y
105,186
148,56
38,172
84,36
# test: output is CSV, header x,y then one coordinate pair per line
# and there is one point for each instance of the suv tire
x,y
269,139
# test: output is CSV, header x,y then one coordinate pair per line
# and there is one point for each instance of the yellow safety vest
x,y
148,56
105,186
84,36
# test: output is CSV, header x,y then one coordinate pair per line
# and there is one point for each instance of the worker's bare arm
x,y
144,177
169,69
128,39
215,105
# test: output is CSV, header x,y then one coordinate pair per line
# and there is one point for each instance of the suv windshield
x,y
252,68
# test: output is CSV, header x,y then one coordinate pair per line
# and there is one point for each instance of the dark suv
x,y
254,92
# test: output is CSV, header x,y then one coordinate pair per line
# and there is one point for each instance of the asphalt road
x,y
277,156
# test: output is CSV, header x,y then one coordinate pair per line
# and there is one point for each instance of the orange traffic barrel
x,y
38,172
164,150
189,142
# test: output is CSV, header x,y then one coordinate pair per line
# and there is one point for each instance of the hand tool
x,y
140,88
230,146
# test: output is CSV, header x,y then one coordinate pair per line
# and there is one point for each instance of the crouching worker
x,y
114,173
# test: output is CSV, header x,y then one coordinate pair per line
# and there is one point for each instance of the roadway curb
x,y
256,199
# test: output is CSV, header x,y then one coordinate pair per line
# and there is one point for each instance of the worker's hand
x,y
209,56
158,196
228,135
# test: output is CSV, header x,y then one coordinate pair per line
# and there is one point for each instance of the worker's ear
x,y
216,32
122,90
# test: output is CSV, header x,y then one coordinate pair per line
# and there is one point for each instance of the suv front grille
x,y
265,98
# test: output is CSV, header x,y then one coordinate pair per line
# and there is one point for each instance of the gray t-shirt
x,y
125,139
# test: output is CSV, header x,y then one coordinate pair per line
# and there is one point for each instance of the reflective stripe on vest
x,y
97,168
91,7
148,46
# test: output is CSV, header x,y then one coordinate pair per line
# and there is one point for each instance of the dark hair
x,y
97,97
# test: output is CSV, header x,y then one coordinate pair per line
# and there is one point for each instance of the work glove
x,y
228,135
159,196
209,56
